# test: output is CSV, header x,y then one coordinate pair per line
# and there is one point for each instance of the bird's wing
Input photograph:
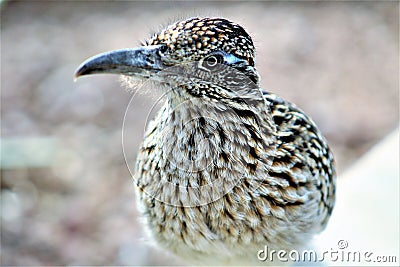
x,y
302,153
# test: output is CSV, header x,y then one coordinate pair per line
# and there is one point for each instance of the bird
x,y
226,168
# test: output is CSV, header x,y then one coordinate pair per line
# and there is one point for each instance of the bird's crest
x,y
195,37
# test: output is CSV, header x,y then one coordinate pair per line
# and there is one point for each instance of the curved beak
x,y
142,61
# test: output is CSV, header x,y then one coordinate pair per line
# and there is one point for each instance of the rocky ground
x,y
66,192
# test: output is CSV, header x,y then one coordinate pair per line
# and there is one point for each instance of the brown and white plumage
x,y
225,168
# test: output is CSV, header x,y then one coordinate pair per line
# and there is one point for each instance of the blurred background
x,y
66,193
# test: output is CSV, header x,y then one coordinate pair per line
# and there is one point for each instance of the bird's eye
x,y
212,61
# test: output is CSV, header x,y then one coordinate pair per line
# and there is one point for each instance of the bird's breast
x,y
194,157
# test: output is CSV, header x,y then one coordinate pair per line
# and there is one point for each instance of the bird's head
x,y
201,57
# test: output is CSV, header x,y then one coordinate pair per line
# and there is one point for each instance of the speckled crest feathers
x,y
196,37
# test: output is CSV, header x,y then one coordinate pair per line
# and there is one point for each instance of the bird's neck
x,y
198,125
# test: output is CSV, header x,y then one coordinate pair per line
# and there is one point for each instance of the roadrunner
x,y
225,168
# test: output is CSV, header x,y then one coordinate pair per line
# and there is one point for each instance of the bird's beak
x,y
142,61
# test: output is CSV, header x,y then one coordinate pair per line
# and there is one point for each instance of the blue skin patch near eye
x,y
231,59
